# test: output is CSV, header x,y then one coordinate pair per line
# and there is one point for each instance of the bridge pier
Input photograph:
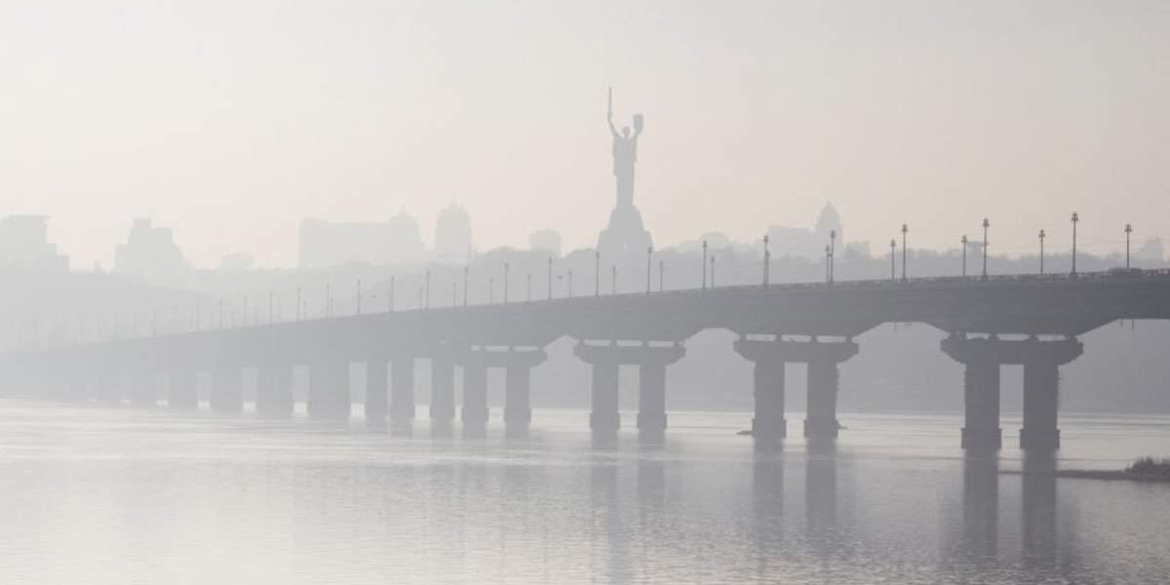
x,y
274,392
606,360
402,389
518,388
227,390
770,357
982,358
184,389
329,390
377,402
442,407
475,407
144,389
1042,361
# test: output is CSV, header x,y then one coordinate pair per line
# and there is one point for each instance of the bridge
x,y
1028,320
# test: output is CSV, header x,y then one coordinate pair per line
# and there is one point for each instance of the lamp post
x,y
767,262
649,263
893,247
1128,230
712,271
828,261
904,230
597,273
1042,236
1075,220
613,279
986,224
528,287
550,262
704,264
491,290
832,255
507,265
570,283
661,275
963,242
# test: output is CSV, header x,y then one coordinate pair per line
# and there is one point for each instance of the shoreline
x,y
1120,475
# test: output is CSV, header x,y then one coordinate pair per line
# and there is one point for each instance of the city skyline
x,y
899,114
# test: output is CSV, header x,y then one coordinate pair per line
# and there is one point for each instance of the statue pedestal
x,y
625,240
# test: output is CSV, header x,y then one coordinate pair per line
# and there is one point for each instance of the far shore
x,y
1096,474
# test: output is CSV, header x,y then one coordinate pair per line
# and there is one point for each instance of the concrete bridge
x,y
1032,321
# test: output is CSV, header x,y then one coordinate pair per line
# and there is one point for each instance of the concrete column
x,y
475,407
821,422
443,388
402,389
377,389
768,390
1041,388
184,389
605,416
652,396
329,390
274,392
981,397
227,390
518,396
144,389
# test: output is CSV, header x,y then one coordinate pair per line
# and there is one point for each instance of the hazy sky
x,y
232,119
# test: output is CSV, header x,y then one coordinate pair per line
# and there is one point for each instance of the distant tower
x,y
453,234
545,241
828,221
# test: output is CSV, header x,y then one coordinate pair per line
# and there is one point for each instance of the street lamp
x,y
597,273
1128,230
893,247
491,290
963,241
704,264
832,255
1075,220
570,283
904,230
767,263
507,265
828,261
986,224
649,263
613,279
712,271
550,262
661,275
1042,236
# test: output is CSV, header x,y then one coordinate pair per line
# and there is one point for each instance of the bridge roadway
x,y
1027,320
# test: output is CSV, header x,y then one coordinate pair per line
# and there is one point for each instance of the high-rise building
x,y
24,244
453,235
150,253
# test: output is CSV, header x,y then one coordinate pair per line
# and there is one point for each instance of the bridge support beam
x,y
651,360
227,390
377,390
982,358
329,390
768,359
823,387
402,389
518,388
274,392
443,389
475,406
184,389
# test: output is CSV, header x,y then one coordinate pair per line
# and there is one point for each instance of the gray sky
x,y
231,119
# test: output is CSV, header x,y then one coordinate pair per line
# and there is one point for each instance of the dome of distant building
x,y
453,234
827,221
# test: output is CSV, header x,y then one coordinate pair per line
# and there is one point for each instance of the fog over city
x,y
554,292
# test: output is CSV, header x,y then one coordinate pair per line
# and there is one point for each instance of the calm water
x,y
96,495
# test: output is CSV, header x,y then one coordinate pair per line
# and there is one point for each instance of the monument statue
x,y
625,156
624,240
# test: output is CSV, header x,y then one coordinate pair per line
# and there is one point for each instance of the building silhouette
x,y
24,244
325,243
808,243
545,241
150,253
453,234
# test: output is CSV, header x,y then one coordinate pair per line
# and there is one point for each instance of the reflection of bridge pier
x,y
982,358
770,357
980,533
651,360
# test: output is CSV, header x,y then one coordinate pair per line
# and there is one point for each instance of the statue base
x,y
625,240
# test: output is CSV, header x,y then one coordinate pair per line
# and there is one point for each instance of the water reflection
x,y
980,534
